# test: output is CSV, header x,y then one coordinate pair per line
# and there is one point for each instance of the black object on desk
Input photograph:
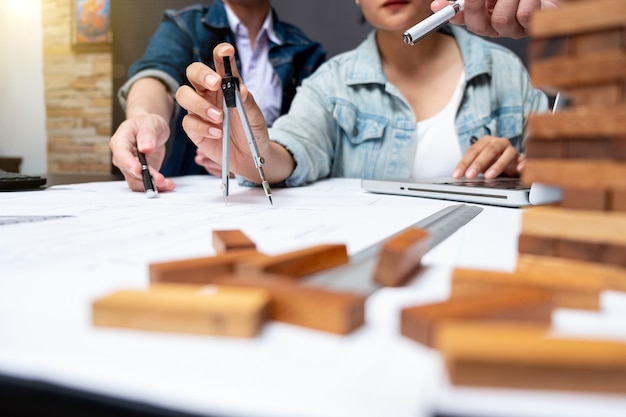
x,y
148,182
21,397
12,181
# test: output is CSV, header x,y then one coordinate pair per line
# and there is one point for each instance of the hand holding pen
x,y
145,132
433,22
148,182
495,18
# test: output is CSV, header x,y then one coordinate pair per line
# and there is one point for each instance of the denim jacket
x,y
347,120
190,35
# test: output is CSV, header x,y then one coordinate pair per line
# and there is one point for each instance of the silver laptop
x,y
508,192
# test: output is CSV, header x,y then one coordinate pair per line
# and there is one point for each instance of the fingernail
x,y
471,173
457,173
213,131
211,80
490,174
214,114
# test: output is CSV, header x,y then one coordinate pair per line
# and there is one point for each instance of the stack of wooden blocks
x,y
568,253
235,292
248,288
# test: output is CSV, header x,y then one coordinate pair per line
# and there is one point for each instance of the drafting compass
x,y
232,98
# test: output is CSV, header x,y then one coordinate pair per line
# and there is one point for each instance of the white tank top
x,y
438,150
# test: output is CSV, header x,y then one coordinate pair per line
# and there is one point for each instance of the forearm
x,y
281,163
277,167
149,96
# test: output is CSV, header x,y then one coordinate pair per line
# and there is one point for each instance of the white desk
x,y
51,271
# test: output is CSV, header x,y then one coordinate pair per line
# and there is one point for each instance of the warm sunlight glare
x,y
20,6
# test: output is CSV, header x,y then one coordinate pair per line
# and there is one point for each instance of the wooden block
x,y
476,282
311,307
576,284
617,200
567,148
598,148
224,311
598,95
574,173
298,263
525,356
581,17
619,142
506,304
570,274
603,40
542,48
198,270
537,149
566,72
613,255
231,240
535,245
574,249
578,122
580,225
584,199
400,257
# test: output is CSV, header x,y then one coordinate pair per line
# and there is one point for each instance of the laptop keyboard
x,y
10,181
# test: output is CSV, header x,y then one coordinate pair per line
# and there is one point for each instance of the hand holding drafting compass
x,y
232,98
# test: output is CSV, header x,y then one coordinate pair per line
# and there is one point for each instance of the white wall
x,y
22,106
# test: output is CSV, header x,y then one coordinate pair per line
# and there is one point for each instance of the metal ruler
x,y
28,219
356,276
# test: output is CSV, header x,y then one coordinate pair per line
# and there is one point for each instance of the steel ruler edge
x,y
357,275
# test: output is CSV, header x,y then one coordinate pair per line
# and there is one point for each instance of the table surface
x,y
51,271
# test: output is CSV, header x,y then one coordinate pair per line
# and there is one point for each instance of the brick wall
x,y
78,96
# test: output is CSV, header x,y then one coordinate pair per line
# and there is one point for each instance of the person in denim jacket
x,y
453,104
274,58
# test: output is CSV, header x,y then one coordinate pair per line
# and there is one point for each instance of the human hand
x,y
205,117
492,156
211,166
147,134
497,18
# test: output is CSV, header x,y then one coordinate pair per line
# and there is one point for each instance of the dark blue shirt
x,y
190,35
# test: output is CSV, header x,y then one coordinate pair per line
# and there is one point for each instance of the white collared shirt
x,y
256,71
438,150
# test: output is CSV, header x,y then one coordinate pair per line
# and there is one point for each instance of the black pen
x,y
148,181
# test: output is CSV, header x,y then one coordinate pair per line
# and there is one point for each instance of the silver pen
x,y
433,22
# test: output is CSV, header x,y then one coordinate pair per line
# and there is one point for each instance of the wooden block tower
x,y
574,249
579,51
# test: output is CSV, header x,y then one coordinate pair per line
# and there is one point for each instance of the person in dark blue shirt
x,y
273,58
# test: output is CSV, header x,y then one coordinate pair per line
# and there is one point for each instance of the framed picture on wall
x,y
91,25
